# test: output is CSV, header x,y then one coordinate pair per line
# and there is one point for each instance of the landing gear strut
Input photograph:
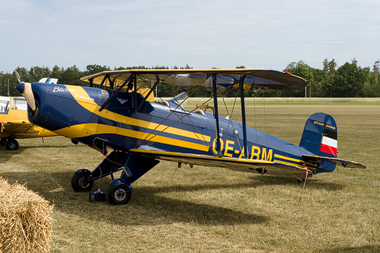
x,y
120,190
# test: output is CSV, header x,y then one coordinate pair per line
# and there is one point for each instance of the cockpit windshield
x,y
4,105
180,99
19,104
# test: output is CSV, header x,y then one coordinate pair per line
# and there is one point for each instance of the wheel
x,y
11,144
118,195
79,184
3,142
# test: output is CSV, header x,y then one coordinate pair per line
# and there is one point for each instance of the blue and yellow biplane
x,y
121,113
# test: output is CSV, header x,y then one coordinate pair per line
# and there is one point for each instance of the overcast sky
x,y
203,34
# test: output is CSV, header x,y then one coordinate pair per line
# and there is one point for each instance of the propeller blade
x,y
25,89
18,77
28,95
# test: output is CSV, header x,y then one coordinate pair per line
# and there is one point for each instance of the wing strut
x,y
241,86
216,115
102,83
115,93
135,90
150,92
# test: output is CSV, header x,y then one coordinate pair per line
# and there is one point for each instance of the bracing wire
x,y
230,121
179,105
146,139
265,122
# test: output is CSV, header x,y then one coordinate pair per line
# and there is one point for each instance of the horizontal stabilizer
x,y
344,163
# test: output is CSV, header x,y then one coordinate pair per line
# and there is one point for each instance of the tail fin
x,y
320,137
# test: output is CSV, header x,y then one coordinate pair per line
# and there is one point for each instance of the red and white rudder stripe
x,y
329,145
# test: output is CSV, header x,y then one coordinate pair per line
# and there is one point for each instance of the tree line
x,y
348,80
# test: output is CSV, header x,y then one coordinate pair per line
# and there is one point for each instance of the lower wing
x,y
18,128
238,164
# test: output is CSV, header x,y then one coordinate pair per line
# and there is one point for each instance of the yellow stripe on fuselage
x,y
293,164
81,96
293,161
187,155
83,130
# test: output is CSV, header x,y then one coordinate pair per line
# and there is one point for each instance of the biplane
x,y
118,111
14,123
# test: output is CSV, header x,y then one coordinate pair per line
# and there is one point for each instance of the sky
x,y
201,33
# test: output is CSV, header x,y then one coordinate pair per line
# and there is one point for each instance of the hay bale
x,y
25,220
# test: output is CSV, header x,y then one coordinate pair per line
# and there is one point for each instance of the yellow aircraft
x,y
14,122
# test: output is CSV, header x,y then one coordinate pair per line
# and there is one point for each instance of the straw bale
x,y
25,220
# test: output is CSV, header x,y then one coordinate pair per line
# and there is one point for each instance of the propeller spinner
x,y
25,89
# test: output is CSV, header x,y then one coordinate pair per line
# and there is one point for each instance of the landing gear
x,y
118,195
80,182
11,144
120,190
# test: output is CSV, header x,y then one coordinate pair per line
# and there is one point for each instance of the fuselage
x,y
73,111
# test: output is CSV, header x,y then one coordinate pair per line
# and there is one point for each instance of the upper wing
x,y
246,165
342,162
253,78
18,128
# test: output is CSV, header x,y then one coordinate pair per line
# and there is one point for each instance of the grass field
x,y
214,209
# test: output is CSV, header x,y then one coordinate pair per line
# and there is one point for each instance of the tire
x,y
79,184
11,144
118,195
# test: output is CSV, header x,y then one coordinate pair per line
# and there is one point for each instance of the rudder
x,y
320,137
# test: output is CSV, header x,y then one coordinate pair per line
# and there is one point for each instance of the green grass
x,y
213,209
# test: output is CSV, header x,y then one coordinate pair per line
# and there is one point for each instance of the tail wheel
x,y
79,183
118,195
11,144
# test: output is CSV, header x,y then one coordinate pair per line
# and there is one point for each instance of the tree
x,y
93,69
36,73
72,76
376,69
56,73
329,66
320,78
372,86
300,69
348,81
12,80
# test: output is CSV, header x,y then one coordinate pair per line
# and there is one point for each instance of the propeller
x,y
18,77
25,89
